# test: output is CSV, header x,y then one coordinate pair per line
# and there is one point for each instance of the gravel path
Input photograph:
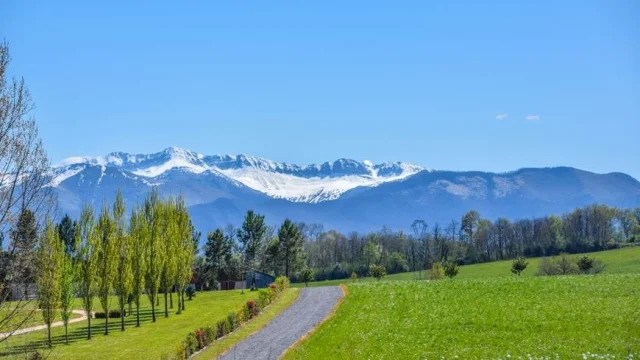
x,y
41,327
311,307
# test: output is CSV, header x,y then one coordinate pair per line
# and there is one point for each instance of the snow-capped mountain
x,y
345,194
311,183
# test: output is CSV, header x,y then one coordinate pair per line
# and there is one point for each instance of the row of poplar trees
x,y
149,253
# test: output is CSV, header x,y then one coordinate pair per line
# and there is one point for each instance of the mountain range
x,y
345,194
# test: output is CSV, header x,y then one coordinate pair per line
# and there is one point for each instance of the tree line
x,y
293,248
100,256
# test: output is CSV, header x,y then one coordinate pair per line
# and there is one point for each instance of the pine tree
x,y
107,261
123,282
290,240
50,257
251,237
25,240
216,250
87,240
67,232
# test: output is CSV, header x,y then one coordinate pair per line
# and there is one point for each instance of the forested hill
x,y
345,194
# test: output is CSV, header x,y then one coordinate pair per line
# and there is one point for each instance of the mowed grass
x,y
149,341
496,318
25,317
619,261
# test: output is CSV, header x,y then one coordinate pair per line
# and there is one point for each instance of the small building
x,y
252,278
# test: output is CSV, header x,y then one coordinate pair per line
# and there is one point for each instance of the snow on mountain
x,y
311,183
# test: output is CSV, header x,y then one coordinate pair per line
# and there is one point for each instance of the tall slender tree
x,y
185,252
107,261
50,262
251,238
169,249
123,241
88,243
138,231
68,286
153,252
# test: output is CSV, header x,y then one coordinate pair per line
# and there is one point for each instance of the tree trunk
x,y
66,334
122,312
182,299
166,304
49,334
153,307
138,311
106,322
179,302
171,298
89,326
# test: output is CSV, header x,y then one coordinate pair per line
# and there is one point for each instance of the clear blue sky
x,y
307,82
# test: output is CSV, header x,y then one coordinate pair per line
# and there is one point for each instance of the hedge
x,y
204,336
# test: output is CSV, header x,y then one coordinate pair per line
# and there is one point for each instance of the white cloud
x,y
532,117
502,116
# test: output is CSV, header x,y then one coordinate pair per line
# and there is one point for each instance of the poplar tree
x,y
50,257
168,248
67,289
139,241
107,261
185,251
87,241
123,283
153,251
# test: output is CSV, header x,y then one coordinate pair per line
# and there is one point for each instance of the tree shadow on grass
x,y
76,334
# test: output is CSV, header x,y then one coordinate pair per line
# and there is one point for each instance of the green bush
x,y
518,265
283,283
190,291
181,351
190,344
377,271
437,272
450,269
210,334
263,298
232,321
222,328
113,314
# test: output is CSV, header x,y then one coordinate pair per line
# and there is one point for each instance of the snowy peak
x,y
311,183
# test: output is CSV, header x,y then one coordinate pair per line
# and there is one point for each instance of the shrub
x,y
210,334
222,327
200,337
566,266
232,321
547,267
35,356
306,276
354,277
190,344
181,351
240,317
585,264
378,271
190,291
263,298
597,268
113,314
253,308
450,269
518,265
283,283
437,272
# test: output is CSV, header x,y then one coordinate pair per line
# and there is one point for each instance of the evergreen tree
x,y
290,240
251,237
216,250
50,257
67,232
123,249
107,261
88,242
25,240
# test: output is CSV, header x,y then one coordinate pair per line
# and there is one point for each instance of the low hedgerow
x,y
203,337
113,314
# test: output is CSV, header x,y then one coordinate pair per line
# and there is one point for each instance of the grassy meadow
x,y
149,341
563,317
619,261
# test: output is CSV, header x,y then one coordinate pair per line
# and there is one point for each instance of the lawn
x,y
620,261
492,318
150,341
33,317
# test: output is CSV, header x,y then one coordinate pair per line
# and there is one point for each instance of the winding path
x,y
41,327
312,307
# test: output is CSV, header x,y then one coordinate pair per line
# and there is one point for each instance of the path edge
x,y
331,314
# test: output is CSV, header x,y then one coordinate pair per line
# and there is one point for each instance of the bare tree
x,y
23,178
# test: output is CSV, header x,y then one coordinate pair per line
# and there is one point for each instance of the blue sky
x,y
305,82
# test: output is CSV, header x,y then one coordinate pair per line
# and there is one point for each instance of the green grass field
x,y
33,317
620,261
494,318
149,341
